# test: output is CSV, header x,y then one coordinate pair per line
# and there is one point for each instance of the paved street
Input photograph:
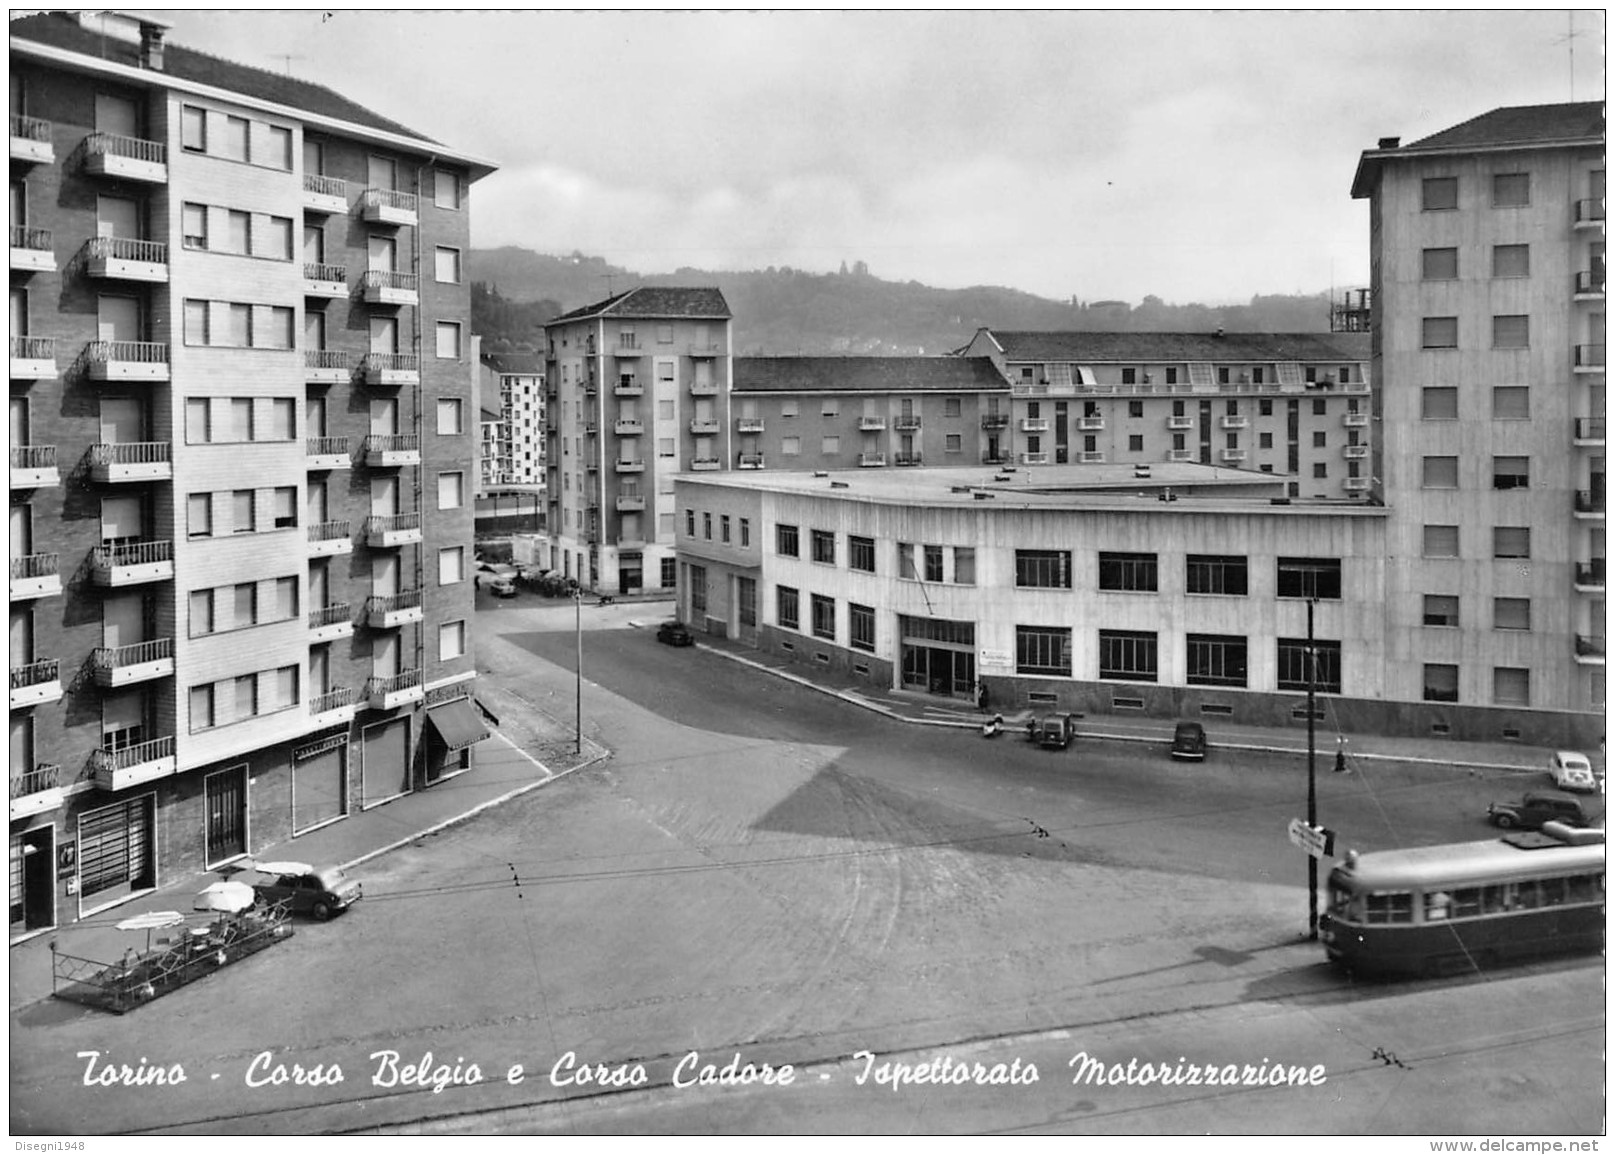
x,y
764,870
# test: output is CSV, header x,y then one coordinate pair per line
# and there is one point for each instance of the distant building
x,y
512,390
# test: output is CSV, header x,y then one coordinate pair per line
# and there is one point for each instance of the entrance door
x,y
33,888
226,814
383,256
319,669
314,245
316,506
19,312
383,173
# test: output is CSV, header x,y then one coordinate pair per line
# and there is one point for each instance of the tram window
x,y
1553,891
1526,896
1389,908
1494,899
1466,903
1584,888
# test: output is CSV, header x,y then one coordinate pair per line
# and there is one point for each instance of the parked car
x,y
1189,741
1054,730
675,633
502,586
320,893
1537,807
1572,771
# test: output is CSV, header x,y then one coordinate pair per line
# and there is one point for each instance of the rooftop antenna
x,y
288,57
1569,41
607,278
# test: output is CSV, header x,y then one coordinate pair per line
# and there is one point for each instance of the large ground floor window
x,y
1293,665
1216,660
1044,650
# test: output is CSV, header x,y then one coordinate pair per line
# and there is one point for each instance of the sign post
x,y
1317,841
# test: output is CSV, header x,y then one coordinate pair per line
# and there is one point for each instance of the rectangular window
x,y
450,641
1127,571
964,565
242,514
689,522
445,189
234,144
275,332
1320,439
1439,403
706,525
282,419
450,421
789,408
196,421
1511,686
1440,192
196,323
790,446
201,708
785,540
448,266
1440,683
238,326
1043,569
698,589
285,599
1511,613
193,226
285,506
448,340
1441,610
861,627
244,605
1511,403
199,515
952,443
1127,655
745,534
830,446
830,407
240,427
1309,577
237,232
787,611
193,129
723,527
1511,472
1511,190
280,149
1293,665
746,594
201,613
905,561
1440,333
1441,473
1440,541
1511,260
1216,574
861,553
275,240
1510,541
1043,650
824,547
933,563
1215,660
1511,332
451,490
1440,264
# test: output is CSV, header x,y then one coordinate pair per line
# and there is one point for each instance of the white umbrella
x,y
230,897
152,920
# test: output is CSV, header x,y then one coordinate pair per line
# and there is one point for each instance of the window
x,y
689,522
201,707
861,553
1264,441
790,446
450,417
240,427
1511,332
785,540
789,408
275,240
243,517
238,326
285,506
1320,469
1044,650
244,605
1441,610
1440,192
448,340
824,547
905,561
448,266
282,419
1309,577
1293,664
830,446
193,226
1440,541
193,129
1320,439
1319,406
1441,473
664,447
1511,472
861,627
199,515
450,641
830,407
196,323
952,443
933,563
451,490
1511,260
1215,660
1440,333
1511,190
1135,442
1511,613
1439,403
1511,403
706,525
1511,686
237,232
824,617
664,334
285,599
1127,571
1511,541
1043,569
1216,574
1127,655
698,589
1440,683
279,154
445,189
786,608
1440,264
745,534
723,527
201,613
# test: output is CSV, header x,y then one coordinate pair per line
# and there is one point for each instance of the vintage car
x,y
1189,741
675,633
305,890
1572,771
1052,730
1537,807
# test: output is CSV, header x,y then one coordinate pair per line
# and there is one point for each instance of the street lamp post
x,y
1312,773
577,602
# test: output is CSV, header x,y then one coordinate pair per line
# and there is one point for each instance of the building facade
x,y
1487,258
241,461
637,391
512,397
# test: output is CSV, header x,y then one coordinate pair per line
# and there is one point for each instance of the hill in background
x,y
785,310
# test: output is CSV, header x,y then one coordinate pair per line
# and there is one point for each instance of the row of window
x,y
1474,901
1509,331
723,526
237,325
1509,403
215,420
242,508
237,607
1507,261
214,229
1248,375
1509,190
1507,613
1508,541
1508,472
235,138
215,704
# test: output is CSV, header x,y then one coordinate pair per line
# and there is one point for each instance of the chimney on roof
x,y
1390,142
1218,334
151,45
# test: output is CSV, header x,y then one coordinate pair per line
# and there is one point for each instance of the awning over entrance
x,y
457,724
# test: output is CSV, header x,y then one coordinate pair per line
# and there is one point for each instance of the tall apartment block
x,y
241,461
1487,246
637,391
512,401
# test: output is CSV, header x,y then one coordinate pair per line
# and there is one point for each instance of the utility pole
x,y
577,599
1312,768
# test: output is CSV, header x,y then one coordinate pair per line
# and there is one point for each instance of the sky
x,y
1196,156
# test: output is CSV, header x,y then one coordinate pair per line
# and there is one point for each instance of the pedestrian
x,y
1340,755
982,697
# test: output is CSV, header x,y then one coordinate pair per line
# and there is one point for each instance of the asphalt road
x,y
767,872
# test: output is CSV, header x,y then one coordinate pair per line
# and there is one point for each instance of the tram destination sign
x,y
1318,841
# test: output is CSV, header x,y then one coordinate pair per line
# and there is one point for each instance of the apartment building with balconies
x,y
1487,257
1294,404
241,515
637,390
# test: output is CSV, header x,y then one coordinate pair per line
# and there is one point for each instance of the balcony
x,y
1354,452
1589,504
1355,420
1034,459
329,538
630,467
1092,457
331,622
1588,431
749,461
703,388
389,611
906,459
1034,424
1590,285
1235,421
324,194
907,423
34,467
391,450
630,502
136,461
1180,455
705,425
31,250
1589,649
135,563
31,140
327,453
392,369
1090,423
1589,212
36,791
871,460
33,358
628,427
117,666
1180,421
384,287
37,575
335,708
705,350
392,531
326,366
114,770
869,424
124,158
1356,484
628,386
321,280
1233,455
995,420
125,259
385,206
36,683
389,693
1589,578
126,360
999,458
749,424
1589,359
705,464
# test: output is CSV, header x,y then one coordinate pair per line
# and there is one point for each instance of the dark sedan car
x,y
675,634
1189,741
320,893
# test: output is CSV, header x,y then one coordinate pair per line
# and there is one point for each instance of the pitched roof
x,y
1525,124
865,374
490,416
62,30
1161,348
655,301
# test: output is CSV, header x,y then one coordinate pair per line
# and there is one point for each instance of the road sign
x,y
1318,841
